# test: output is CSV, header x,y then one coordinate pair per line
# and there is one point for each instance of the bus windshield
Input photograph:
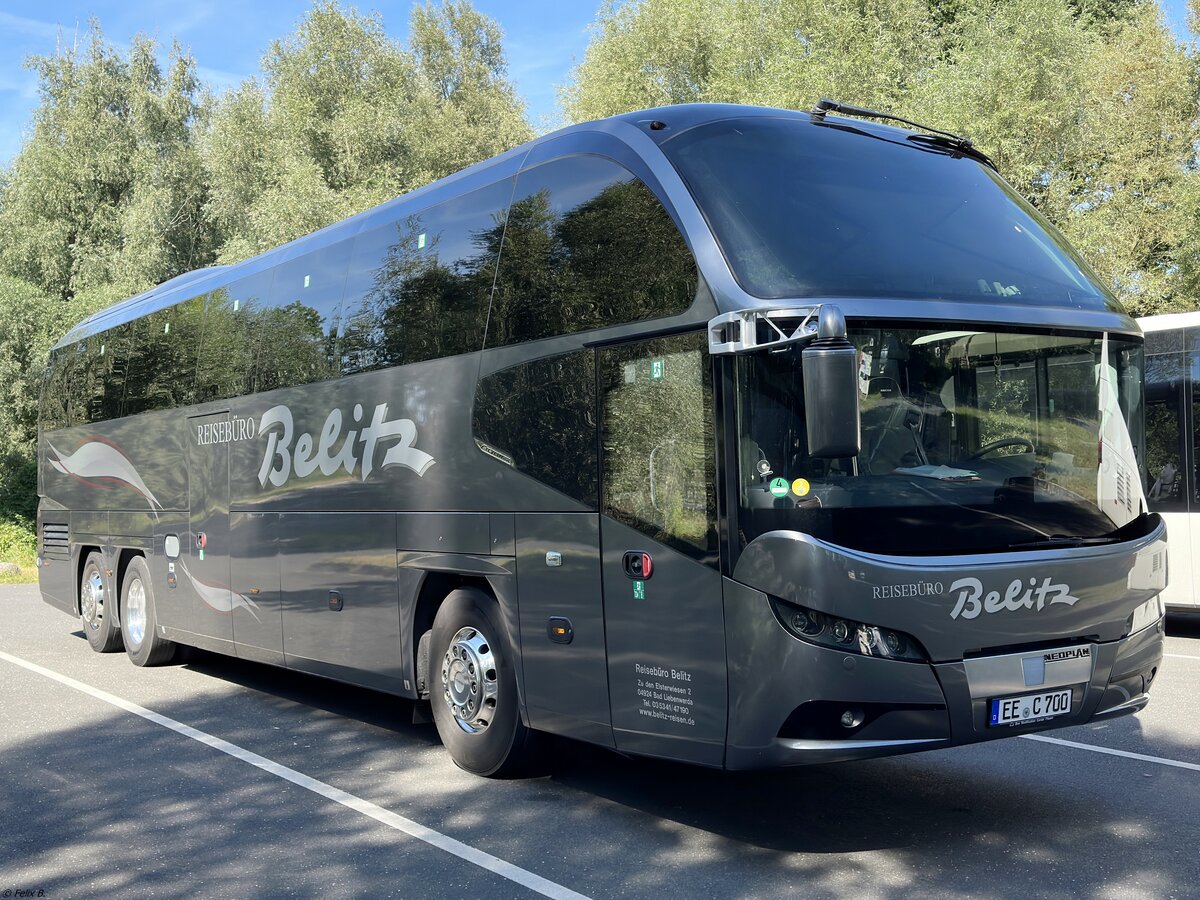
x,y
803,210
972,441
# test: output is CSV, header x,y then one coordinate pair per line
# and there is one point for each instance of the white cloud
x,y
33,27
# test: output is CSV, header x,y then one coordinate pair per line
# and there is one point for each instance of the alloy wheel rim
x,y
470,686
91,600
135,612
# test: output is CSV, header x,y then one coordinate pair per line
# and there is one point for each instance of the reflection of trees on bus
x,y
614,257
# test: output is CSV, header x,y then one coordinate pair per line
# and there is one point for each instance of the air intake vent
x,y
55,544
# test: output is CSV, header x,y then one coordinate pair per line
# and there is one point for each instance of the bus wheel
x,y
473,688
139,626
95,612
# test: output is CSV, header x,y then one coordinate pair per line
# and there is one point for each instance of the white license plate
x,y
1030,707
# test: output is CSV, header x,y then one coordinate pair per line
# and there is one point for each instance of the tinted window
x,y
419,288
587,245
540,417
224,364
1166,431
54,391
162,365
659,470
103,382
804,210
293,335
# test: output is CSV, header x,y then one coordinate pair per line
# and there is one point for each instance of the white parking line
x,y
1142,757
1180,656
513,873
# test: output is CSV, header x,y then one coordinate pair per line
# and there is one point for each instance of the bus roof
x,y
637,130
1169,321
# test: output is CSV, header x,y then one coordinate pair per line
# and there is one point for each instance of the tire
x,y
139,625
473,688
98,607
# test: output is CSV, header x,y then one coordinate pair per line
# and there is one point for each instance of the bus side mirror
x,y
831,412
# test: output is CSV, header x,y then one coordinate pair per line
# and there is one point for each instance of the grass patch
x,y
18,544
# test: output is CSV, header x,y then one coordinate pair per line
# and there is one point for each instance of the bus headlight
x,y
1146,614
847,635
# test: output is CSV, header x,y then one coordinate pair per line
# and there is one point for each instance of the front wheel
x,y
473,688
139,624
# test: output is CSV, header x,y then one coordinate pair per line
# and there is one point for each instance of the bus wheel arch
x,y
473,687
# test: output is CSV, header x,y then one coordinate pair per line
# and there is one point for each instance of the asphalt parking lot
x,y
221,778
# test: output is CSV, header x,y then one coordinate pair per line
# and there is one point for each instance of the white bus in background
x,y
1172,449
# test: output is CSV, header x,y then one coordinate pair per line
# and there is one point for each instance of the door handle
x,y
638,565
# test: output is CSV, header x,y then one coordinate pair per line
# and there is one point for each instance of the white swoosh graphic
x,y
96,459
221,599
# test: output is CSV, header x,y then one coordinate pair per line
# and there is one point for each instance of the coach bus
x,y
1172,417
736,436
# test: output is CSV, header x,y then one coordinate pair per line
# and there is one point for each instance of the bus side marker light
x,y
560,631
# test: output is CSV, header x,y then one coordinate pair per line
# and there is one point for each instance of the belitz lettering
x,y
972,600
329,451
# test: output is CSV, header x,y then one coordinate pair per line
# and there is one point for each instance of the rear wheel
x,y
473,688
139,625
97,608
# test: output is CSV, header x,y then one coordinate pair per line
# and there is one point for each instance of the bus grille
x,y
54,541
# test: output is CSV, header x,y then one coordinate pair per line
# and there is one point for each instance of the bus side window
x,y
1165,432
541,415
587,245
224,362
54,390
296,329
418,288
659,471
162,367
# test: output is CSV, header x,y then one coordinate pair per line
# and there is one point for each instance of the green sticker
x,y
658,369
202,553
639,590
779,487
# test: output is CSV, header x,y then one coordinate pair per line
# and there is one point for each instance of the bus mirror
x,y
831,412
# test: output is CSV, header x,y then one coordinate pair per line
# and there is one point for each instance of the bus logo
x,y
357,450
972,600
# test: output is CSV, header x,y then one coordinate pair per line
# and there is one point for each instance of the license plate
x,y
1030,707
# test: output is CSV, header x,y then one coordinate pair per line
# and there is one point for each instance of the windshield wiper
x,y
1065,540
946,140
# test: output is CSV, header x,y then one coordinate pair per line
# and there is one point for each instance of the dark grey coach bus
x,y
738,436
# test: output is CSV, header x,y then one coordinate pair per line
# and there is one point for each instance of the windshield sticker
x,y
282,458
779,487
801,487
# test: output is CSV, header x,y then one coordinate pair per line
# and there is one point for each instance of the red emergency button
x,y
202,540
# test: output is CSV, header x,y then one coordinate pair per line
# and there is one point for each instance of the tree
x,y
347,118
1089,108
109,188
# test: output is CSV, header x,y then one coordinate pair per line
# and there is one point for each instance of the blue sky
x,y
543,39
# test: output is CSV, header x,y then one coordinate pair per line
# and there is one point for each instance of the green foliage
x,y
108,189
1087,106
133,174
348,118
17,543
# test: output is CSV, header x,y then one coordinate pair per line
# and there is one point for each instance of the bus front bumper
x,y
894,707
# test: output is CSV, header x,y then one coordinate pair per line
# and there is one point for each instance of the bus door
x,y
205,564
664,621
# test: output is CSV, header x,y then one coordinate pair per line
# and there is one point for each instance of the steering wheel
x,y
1004,442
